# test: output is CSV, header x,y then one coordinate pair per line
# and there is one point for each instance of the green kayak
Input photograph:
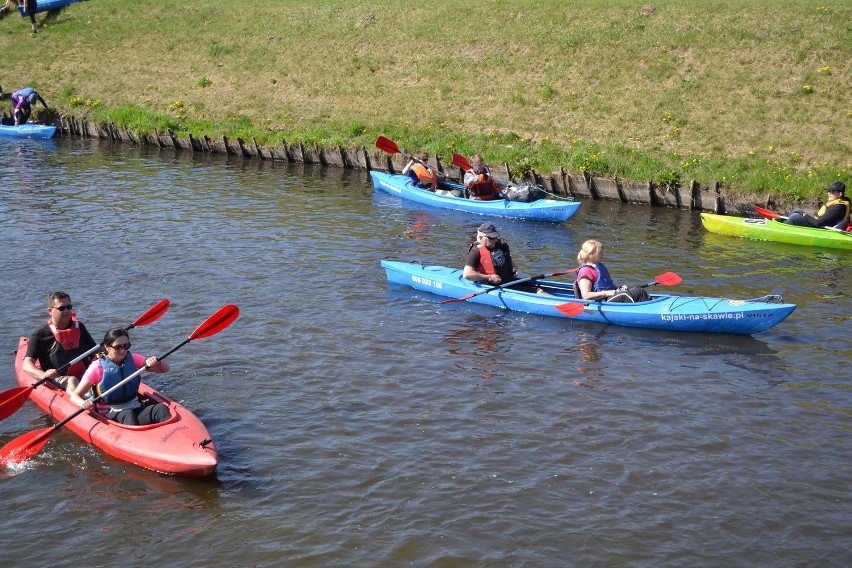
x,y
775,230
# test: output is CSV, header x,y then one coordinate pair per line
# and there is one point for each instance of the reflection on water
x,y
362,424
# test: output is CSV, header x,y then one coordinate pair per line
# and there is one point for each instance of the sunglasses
x,y
122,347
64,308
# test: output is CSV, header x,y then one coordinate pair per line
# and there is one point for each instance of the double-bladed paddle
x,y
11,400
389,146
26,446
508,284
666,279
768,213
461,162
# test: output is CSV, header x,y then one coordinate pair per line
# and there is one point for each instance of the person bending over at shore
x,y
23,100
835,213
479,182
594,282
122,405
61,340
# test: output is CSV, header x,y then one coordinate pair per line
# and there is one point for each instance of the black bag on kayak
x,y
631,295
525,192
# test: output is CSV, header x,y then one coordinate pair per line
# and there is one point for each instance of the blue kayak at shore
x,y
551,210
663,311
27,131
45,6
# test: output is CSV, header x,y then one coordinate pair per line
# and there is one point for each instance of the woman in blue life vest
x,y
594,282
123,404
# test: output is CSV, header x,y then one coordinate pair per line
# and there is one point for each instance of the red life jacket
x,y
425,174
484,188
486,265
68,348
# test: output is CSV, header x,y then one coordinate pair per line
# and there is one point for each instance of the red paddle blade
x,y
461,162
24,447
387,145
462,299
766,213
13,399
153,314
216,323
571,309
668,279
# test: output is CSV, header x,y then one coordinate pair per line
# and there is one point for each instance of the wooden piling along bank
x,y
693,196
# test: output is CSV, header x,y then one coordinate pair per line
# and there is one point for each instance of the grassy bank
x,y
751,93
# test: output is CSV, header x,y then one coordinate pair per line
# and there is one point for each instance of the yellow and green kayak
x,y
776,230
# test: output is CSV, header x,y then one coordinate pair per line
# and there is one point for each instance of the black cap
x,y
488,230
837,187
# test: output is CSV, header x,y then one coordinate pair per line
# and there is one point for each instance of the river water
x,y
362,425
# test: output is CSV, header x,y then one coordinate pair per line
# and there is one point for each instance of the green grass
x,y
752,93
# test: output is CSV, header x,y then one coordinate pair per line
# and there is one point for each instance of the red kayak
x,y
179,446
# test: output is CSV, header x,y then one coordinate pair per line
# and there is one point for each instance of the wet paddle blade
x,y
153,314
216,323
461,162
13,399
387,145
571,309
668,279
462,299
26,446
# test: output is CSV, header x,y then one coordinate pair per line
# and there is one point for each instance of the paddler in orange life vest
x,y
422,173
60,341
479,182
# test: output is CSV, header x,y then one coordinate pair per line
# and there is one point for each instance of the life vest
x,y
483,188
842,201
427,175
486,263
113,374
23,98
603,282
67,347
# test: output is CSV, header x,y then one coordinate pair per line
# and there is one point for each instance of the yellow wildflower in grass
x,y
825,69
807,88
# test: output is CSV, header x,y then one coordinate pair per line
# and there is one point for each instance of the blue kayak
x,y
28,130
45,6
551,210
663,311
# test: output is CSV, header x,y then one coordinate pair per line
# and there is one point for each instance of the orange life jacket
x,y
484,188
425,174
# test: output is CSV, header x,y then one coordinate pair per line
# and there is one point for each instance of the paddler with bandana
x,y
61,340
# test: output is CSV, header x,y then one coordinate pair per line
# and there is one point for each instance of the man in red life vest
x,y
479,182
61,340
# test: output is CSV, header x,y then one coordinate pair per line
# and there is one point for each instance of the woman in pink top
x,y
122,404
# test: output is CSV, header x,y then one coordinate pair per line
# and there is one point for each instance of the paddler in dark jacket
x,y
832,214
